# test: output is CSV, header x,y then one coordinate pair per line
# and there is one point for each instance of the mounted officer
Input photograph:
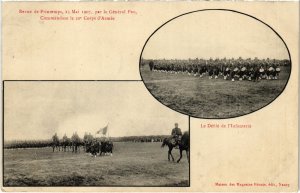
x,y
176,135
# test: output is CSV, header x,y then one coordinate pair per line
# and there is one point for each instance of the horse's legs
x,y
180,156
170,152
169,155
172,156
188,155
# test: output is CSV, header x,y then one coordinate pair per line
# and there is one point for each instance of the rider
x,y
176,135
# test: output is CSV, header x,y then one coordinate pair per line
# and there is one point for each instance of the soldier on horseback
x,y
176,135
55,142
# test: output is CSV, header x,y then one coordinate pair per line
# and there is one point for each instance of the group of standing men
x,y
233,70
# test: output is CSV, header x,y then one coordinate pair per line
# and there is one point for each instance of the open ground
x,y
212,98
132,164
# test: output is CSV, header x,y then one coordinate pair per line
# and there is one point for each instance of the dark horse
x,y
99,147
106,147
94,148
184,145
55,142
66,143
76,142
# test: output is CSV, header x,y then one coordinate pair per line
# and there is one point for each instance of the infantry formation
x,y
228,69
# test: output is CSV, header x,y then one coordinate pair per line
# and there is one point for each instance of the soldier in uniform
x,y
176,135
151,65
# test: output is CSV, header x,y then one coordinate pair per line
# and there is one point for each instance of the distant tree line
x,y
27,144
48,143
149,138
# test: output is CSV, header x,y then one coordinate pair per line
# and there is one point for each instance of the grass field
x,y
132,164
215,98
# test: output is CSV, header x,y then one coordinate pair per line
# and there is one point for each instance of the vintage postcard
x,y
160,96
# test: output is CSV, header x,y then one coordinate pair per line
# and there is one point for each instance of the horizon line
x,y
96,137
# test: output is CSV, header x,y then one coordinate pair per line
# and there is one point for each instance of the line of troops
x,y
88,143
229,70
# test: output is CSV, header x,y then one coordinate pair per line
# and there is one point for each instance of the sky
x,y
36,110
215,34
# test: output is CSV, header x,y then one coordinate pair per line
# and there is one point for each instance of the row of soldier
x,y
229,71
67,144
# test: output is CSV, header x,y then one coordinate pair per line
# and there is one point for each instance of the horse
x,y
94,148
66,143
76,142
87,141
55,142
106,147
184,145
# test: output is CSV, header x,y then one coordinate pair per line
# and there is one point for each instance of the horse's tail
x,y
185,140
164,143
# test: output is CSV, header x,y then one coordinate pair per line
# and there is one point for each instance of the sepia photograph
x,y
228,67
92,133
116,105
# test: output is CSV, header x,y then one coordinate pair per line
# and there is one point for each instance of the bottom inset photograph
x,y
92,133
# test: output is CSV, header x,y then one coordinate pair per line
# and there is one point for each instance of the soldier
x,y
176,135
151,65
277,70
65,142
55,142
262,72
271,73
227,72
216,72
210,72
243,73
235,73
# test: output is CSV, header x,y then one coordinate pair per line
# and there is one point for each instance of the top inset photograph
x,y
215,64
